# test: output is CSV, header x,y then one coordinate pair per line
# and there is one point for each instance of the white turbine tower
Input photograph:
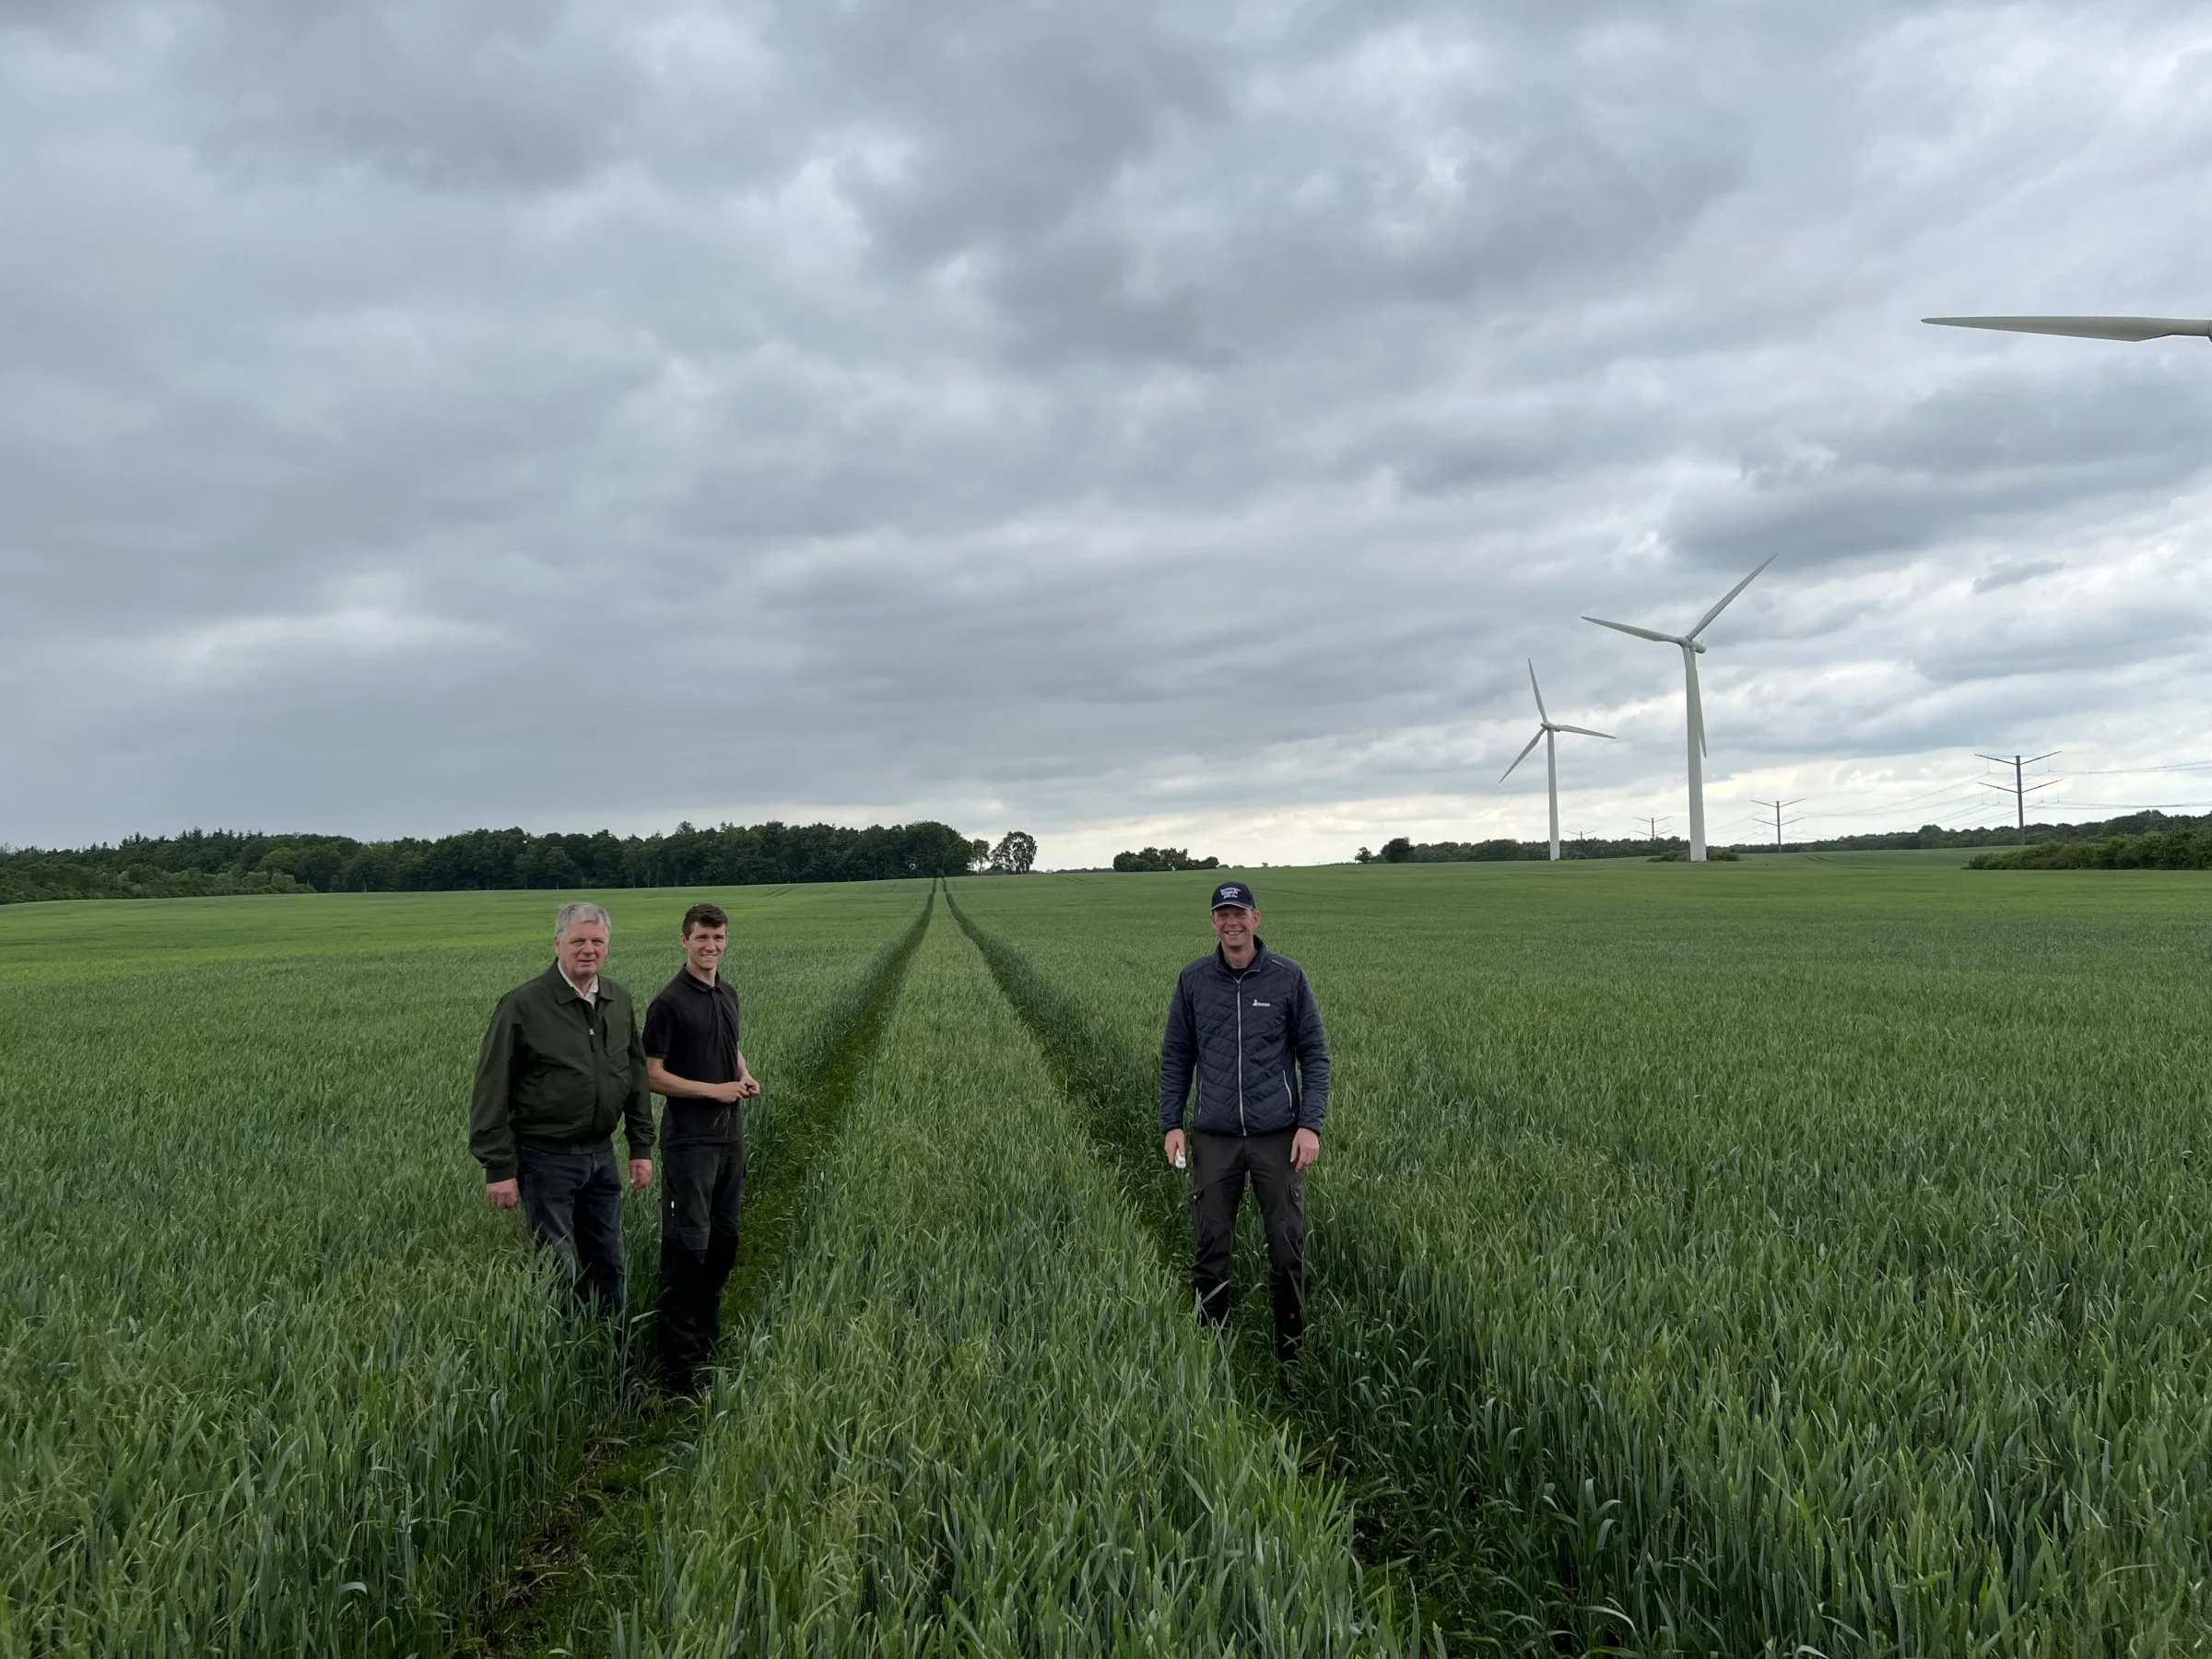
x,y
1690,652
2086,328
1547,730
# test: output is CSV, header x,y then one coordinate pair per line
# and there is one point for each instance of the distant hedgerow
x,y
2180,850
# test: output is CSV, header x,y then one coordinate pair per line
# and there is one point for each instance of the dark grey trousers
x,y
572,1198
702,1191
1220,1164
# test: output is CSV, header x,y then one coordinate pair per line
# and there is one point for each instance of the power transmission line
x,y
1778,807
1894,806
2019,790
2114,771
2121,806
1654,822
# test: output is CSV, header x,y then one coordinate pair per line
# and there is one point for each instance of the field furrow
x,y
590,1557
1438,1545
981,1418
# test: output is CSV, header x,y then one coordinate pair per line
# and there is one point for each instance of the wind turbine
x,y
1547,732
1690,652
2086,328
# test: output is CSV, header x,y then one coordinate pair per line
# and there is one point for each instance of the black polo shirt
x,y
691,1029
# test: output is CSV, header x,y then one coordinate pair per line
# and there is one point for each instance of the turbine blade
x,y
1583,731
1730,595
1538,690
1697,705
1523,755
1629,627
2086,328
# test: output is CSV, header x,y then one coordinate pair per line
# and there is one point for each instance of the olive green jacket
x,y
556,1067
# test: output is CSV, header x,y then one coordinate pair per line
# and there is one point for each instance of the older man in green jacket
x,y
560,1064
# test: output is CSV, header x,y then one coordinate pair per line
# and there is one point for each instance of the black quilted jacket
x,y
1254,1044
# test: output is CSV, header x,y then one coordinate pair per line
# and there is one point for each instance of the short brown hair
x,y
703,915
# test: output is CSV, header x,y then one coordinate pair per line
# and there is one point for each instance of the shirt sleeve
x,y
660,1028
491,1135
637,1114
1178,1050
1311,1042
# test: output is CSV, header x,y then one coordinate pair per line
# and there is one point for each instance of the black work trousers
x,y
702,1189
573,1198
1220,1164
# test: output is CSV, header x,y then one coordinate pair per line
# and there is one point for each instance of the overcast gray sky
x,y
1135,424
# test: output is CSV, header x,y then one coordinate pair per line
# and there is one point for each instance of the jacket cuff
x,y
496,1172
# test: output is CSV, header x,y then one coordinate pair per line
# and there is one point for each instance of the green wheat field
x,y
1795,1256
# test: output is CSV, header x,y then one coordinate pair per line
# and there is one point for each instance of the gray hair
x,y
575,912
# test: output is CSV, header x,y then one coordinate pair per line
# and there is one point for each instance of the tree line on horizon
x,y
1402,850
204,862
1162,860
216,862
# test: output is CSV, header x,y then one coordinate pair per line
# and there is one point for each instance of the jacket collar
x,y
566,992
1259,954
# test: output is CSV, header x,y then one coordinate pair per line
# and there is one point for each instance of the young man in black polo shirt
x,y
692,1057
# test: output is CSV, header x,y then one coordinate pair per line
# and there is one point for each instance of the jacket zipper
x,y
1197,1072
1241,1128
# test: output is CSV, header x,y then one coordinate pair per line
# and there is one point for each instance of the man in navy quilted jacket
x,y
1244,1026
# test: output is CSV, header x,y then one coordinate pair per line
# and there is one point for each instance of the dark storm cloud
x,y
1185,188
1076,412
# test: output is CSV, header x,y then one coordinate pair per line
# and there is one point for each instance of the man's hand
x,y
1305,1147
1175,1147
504,1194
640,1174
748,1087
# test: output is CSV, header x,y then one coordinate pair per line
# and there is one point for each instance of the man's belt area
x,y
545,1143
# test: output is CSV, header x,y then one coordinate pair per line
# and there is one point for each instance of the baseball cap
x,y
1233,893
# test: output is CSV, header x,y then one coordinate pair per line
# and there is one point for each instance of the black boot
x,y
1287,1295
714,1274
684,1340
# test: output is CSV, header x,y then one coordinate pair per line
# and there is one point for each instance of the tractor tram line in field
x,y
1448,1589
589,1555
977,1420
